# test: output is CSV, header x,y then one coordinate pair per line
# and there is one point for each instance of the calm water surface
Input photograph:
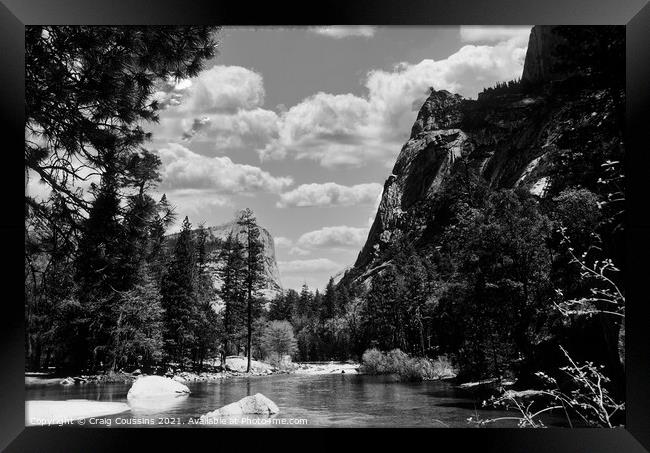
x,y
322,400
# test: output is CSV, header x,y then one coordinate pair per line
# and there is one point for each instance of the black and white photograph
x,y
326,226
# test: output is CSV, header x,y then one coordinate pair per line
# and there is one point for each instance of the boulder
x,y
67,381
239,364
256,404
156,386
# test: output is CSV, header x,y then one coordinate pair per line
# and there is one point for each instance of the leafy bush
x,y
406,367
278,340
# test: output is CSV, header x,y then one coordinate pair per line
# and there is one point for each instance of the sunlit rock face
x,y
217,235
505,137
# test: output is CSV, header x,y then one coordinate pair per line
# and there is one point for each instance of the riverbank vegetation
x,y
407,368
498,283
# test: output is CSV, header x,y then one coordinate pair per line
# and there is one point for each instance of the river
x,y
331,400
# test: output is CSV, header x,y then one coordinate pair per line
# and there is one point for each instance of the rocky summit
x,y
506,137
217,235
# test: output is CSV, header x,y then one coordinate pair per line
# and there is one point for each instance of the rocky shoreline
x,y
234,368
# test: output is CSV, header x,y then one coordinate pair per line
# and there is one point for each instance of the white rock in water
x,y
147,386
256,404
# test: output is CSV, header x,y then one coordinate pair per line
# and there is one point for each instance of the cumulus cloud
x,y
308,266
345,31
183,169
170,93
245,129
198,124
282,242
493,33
299,251
330,194
350,130
224,105
224,89
324,127
333,237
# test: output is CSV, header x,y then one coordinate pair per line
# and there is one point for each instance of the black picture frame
x,y
634,14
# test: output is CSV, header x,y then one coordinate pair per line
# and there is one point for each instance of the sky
x,y
303,125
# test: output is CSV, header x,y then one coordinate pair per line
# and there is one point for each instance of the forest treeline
x,y
105,291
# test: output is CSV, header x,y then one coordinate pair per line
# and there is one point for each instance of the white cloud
x,y
299,251
183,169
282,242
323,127
333,237
224,89
330,194
245,129
351,130
308,266
224,104
170,92
199,206
493,33
345,31
36,188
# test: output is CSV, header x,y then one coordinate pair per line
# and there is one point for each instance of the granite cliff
x,y
507,137
216,235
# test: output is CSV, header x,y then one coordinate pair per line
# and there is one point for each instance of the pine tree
x,y
206,325
254,271
281,307
415,296
178,296
304,303
89,89
384,314
137,335
331,302
98,273
232,292
49,284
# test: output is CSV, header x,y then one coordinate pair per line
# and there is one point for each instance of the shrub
x,y
406,367
278,340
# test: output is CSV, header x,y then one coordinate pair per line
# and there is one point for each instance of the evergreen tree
x,y
178,296
281,307
253,271
206,325
330,306
384,316
416,298
88,89
304,303
232,293
137,335
49,285
98,272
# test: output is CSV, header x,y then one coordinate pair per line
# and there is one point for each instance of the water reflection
x,y
323,400
157,405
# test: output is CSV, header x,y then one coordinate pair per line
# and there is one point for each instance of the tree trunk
x,y
249,340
